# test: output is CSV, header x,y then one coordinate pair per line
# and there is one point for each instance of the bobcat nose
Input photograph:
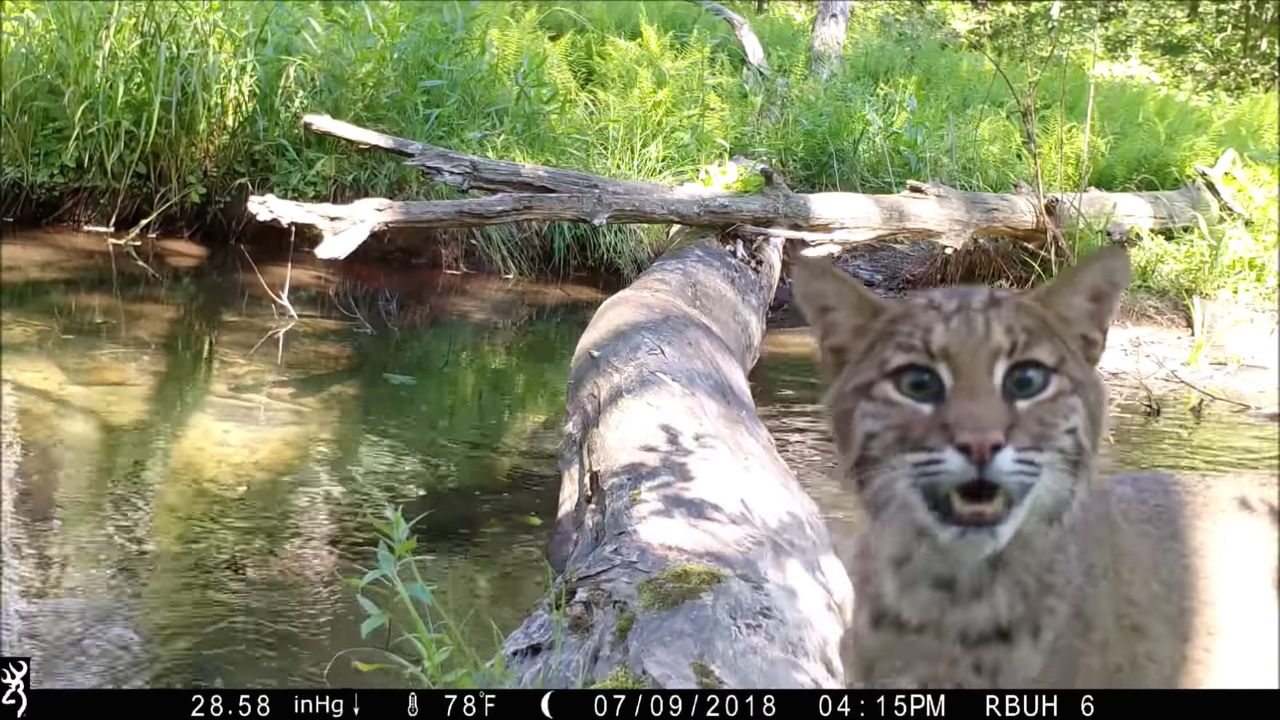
x,y
979,448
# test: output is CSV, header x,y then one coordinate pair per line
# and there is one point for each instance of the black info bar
x,y
610,703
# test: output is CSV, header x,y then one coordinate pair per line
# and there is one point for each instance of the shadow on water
x,y
188,476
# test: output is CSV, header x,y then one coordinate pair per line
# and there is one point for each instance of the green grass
x,y
113,112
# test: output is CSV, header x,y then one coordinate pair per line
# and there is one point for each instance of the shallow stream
x,y
189,473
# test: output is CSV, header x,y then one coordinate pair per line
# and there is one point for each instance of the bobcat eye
x,y
919,383
1026,380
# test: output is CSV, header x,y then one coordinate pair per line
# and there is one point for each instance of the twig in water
x,y
283,299
365,327
129,244
1204,392
279,334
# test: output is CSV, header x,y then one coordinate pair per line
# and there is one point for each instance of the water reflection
x,y
186,481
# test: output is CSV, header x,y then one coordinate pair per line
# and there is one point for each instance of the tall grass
x,y
115,111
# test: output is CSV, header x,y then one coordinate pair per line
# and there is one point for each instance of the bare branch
x,y
742,29
922,211
472,172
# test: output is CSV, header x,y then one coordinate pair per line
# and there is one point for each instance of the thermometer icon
x,y
413,704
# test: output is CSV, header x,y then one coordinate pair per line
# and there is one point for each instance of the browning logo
x,y
13,673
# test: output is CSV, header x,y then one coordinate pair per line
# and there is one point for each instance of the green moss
x,y
705,676
677,585
621,679
624,627
635,495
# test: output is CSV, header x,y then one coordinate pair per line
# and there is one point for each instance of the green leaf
x,y
370,667
407,546
369,606
372,623
417,645
443,654
419,591
370,576
386,561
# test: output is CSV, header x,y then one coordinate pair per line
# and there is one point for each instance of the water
x,y
189,475
188,481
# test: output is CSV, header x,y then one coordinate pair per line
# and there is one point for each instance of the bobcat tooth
x,y
990,509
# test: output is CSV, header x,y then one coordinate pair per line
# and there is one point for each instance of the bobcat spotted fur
x,y
967,421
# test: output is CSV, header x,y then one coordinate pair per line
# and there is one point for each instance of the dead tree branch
x,y
922,211
742,29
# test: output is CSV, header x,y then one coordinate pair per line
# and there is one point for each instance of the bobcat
x,y
967,421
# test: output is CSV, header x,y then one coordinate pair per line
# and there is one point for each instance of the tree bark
x,y
826,46
922,211
688,553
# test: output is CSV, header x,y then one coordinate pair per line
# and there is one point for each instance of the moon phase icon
x,y
546,704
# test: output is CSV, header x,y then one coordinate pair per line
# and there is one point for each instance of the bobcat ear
x,y
837,306
1086,297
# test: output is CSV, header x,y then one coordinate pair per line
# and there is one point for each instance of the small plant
x,y
730,176
431,650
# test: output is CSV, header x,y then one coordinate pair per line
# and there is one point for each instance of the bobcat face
x,y
965,411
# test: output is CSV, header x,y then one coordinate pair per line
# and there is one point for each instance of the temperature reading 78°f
x,y
467,705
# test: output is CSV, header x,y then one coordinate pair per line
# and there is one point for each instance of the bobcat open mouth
x,y
976,503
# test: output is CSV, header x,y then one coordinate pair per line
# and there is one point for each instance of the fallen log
x,y
688,554
923,211
686,551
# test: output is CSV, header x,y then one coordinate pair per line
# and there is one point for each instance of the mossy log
x,y
688,554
